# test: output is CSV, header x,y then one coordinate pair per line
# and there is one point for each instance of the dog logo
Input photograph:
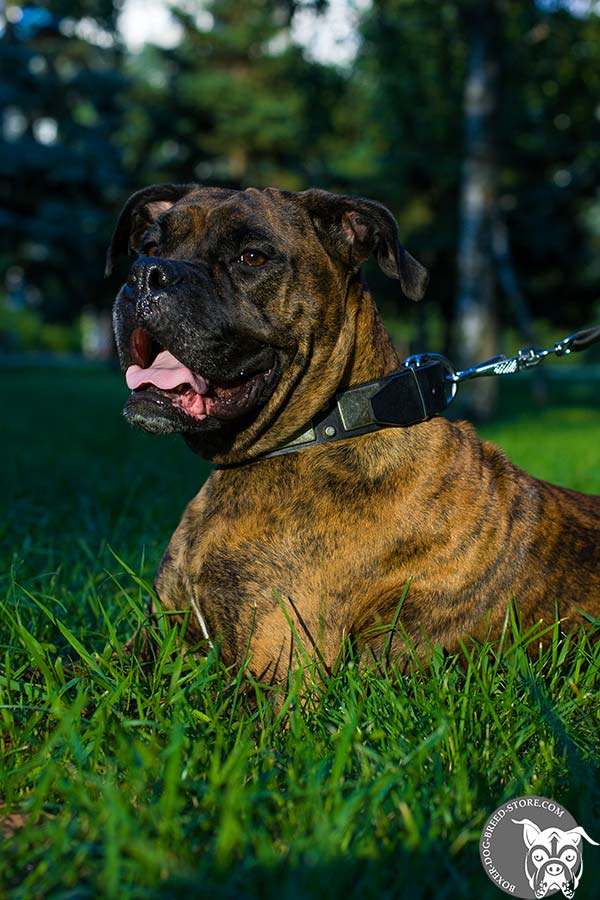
x,y
532,847
554,860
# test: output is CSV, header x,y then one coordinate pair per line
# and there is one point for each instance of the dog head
x,y
233,322
554,858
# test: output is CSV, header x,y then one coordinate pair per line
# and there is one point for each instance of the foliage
x,y
60,169
235,103
238,102
413,59
25,330
120,780
550,121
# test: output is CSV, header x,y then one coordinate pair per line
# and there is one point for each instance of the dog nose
x,y
149,275
554,869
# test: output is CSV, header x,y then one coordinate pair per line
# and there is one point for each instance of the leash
x,y
425,386
526,358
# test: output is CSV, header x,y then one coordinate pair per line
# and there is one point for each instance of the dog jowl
x,y
244,315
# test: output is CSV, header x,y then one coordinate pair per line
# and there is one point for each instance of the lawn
x,y
123,781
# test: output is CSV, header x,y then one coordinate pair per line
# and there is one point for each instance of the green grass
x,y
134,782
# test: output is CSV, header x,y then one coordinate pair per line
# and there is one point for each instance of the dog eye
x,y
150,249
253,258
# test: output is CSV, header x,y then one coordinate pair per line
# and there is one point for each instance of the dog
x,y
244,319
554,860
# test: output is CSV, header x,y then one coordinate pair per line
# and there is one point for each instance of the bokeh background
x,y
476,121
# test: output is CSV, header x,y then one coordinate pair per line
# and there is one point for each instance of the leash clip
x,y
525,358
564,347
497,365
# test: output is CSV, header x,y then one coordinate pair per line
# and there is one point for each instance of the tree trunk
x,y
509,282
507,277
475,320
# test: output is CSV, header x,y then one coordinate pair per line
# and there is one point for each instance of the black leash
x,y
423,388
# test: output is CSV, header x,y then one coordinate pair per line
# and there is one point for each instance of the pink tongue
x,y
166,373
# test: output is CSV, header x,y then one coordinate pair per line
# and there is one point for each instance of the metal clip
x,y
563,348
525,358
530,356
497,365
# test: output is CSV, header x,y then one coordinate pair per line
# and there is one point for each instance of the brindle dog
x,y
242,317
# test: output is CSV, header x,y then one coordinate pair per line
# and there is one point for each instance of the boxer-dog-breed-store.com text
x,y
246,326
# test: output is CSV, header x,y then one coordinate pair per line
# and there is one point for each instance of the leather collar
x,y
410,395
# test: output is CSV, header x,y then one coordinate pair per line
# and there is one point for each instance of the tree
x,y
235,103
60,169
475,319
410,70
529,160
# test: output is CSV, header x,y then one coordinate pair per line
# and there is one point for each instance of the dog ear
x,y
575,834
530,831
141,210
353,228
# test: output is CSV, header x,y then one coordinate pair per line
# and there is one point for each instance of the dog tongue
x,y
166,373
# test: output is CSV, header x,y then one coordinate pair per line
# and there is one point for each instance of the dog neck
x,y
373,393
373,354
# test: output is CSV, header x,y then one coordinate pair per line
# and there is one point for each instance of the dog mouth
x,y
155,373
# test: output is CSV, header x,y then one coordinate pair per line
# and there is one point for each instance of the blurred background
x,y
476,121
